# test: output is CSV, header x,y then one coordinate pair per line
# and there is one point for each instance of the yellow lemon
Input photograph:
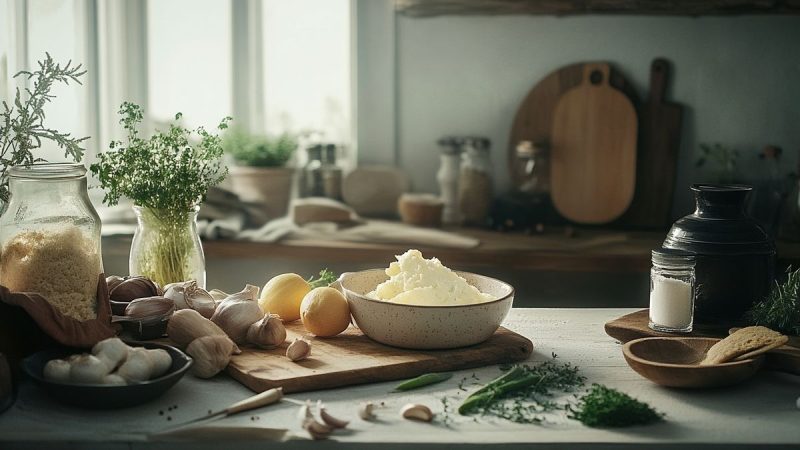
x,y
282,295
325,312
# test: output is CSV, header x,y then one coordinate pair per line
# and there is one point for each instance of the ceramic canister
x,y
735,257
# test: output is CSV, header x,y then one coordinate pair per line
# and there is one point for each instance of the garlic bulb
x,y
88,369
130,289
57,370
187,325
218,295
268,332
111,351
298,350
137,367
211,354
150,307
236,313
190,296
113,281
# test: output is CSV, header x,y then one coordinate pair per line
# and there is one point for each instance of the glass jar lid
x,y
673,257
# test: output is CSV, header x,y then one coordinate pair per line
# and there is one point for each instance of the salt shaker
x,y
447,176
672,289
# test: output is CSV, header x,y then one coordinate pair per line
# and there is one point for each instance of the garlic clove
x,y
160,361
268,332
236,313
57,370
149,307
316,430
211,355
137,367
415,411
305,412
131,288
111,351
114,380
88,369
113,281
330,420
218,295
298,350
187,325
188,295
366,411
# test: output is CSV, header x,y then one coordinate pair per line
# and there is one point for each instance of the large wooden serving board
x,y
635,325
352,358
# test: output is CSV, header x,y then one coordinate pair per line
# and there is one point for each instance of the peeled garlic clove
x,y
137,367
132,288
330,420
236,313
268,332
366,411
298,350
316,430
111,351
57,370
114,380
148,307
415,411
305,412
211,354
160,361
88,369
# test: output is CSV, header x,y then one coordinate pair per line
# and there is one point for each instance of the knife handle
x,y
265,398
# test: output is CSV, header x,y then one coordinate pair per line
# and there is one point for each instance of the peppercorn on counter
x,y
761,411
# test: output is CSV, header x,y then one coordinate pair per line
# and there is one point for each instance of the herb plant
x,y
167,176
780,310
22,130
259,151
606,407
725,158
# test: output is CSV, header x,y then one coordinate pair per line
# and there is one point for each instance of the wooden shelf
x,y
431,8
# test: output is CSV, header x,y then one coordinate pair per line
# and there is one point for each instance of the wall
x,y
736,76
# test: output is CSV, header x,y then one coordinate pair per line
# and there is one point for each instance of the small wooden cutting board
x,y
352,358
635,325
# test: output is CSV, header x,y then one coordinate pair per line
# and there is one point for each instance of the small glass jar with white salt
x,y
672,291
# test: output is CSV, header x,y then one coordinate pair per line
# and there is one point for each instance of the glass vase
x,y
166,247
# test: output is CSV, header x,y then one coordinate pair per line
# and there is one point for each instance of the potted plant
x,y
22,128
260,174
167,176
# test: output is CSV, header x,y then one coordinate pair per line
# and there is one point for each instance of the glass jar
x,y
312,183
447,177
475,182
672,291
50,237
331,174
166,247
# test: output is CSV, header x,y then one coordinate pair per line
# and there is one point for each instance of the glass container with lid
x,y
50,237
475,182
672,289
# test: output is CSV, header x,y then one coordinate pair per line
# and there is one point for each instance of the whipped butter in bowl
x,y
419,303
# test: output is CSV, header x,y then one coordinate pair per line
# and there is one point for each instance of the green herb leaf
x,y
780,310
326,277
606,407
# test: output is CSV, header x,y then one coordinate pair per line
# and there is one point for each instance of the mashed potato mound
x,y
415,280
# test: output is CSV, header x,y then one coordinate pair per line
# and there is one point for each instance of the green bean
x,y
423,380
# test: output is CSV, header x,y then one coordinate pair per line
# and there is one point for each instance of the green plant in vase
x,y
167,177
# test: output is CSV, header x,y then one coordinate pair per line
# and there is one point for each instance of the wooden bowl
x,y
426,327
673,362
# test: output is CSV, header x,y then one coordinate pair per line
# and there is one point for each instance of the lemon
x,y
325,312
282,295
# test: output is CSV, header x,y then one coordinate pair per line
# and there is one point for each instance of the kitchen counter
x,y
761,411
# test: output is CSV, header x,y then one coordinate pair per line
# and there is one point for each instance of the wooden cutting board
x,y
593,150
659,136
634,326
534,118
352,358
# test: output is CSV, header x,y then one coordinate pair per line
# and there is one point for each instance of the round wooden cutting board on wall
x,y
593,150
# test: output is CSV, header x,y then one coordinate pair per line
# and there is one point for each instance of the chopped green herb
x,y
780,310
606,407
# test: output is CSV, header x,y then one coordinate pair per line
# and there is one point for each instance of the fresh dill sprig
x,y
325,278
780,310
22,128
606,407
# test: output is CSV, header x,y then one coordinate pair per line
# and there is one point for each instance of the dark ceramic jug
x,y
735,257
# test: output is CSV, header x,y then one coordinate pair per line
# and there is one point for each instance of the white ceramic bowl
x,y
426,327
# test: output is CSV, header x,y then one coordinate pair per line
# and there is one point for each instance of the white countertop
x,y
760,411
